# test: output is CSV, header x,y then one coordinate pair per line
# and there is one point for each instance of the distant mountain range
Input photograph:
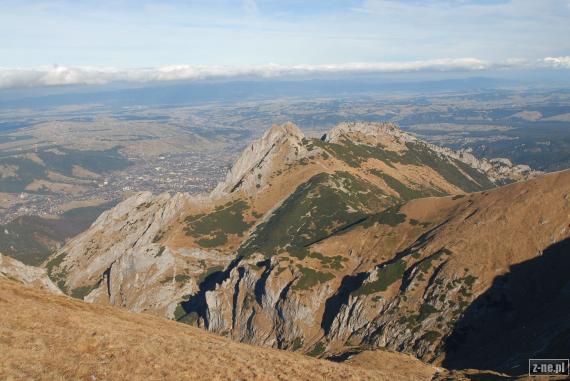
x,y
181,93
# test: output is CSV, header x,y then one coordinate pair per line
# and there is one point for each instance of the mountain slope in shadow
x,y
524,314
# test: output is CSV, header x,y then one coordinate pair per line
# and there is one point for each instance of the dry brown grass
x,y
50,337
400,363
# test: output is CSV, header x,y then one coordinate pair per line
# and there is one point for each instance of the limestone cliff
x,y
497,169
279,146
29,275
367,238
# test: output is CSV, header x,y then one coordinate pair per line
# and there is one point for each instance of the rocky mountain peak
x,y
296,248
367,132
281,143
286,129
390,137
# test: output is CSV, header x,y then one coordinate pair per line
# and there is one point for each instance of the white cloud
x,y
61,75
557,62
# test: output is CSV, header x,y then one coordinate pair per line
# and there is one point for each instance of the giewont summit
x,y
367,238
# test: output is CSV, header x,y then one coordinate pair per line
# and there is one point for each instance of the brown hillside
x,y
461,280
49,337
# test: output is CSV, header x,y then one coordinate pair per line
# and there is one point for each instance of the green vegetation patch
x,y
470,280
299,252
356,154
179,278
329,262
179,312
414,222
213,229
82,292
413,321
310,278
418,153
54,262
207,273
450,169
317,350
426,264
182,278
426,310
217,240
387,275
58,277
406,193
325,204
431,336
391,217
297,344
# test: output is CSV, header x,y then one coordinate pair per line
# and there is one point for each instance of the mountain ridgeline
x,y
366,238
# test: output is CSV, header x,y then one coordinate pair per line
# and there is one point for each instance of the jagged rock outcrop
x,y
15,270
405,295
279,146
385,133
499,170
316,245
119,260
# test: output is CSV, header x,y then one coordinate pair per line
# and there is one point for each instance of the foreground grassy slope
x,y
50,337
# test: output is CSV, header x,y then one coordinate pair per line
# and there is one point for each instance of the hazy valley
x,y
82,151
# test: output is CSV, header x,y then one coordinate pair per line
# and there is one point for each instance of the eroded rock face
x,y
279,146
371,133
499,170
119,259
29,275
308,246
406,296
260,305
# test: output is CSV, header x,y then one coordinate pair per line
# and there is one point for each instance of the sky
x,y
82,41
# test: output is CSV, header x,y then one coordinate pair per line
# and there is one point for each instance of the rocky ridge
x,y
266,260
499,170
28,275
280,145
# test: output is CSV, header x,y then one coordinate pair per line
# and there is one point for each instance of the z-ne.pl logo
x,y
548,367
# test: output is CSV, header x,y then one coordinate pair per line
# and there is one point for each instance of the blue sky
x,y
124,34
